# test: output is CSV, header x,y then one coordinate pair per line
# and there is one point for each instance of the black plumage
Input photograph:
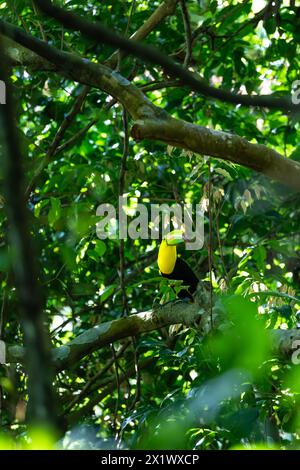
x,y
183,272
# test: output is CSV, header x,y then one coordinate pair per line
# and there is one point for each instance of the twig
x,y
255,20
210,263
59,327
132,9
164,10
159,85
137,376
69,143
121,192
83,393
221,250
20,18
188,33
39,23
118,390
3,316
58,138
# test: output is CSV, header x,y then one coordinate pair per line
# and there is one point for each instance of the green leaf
x,y
55,211
107,293
100,248
270,25
260,254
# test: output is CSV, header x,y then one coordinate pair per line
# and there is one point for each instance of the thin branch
x,y
260,15
75,138
131,12
84,392
4,308
210,248
165,9
121,192
137,370
66,123
188,33
44,37
221,249
74,417
118,390
161,85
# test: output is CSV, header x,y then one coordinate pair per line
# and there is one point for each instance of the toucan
x,y
173,267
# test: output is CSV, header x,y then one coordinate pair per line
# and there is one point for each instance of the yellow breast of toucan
x,y
166,258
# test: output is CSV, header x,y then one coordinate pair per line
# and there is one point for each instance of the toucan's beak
x,y
175,237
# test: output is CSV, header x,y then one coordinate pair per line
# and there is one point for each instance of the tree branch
x,y
223,145
86,389
83,71
102,34
108,332
66,123
74,417
282,341
154,123
167,8
19,54
188,33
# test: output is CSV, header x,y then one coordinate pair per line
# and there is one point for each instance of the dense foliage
x,y
175,387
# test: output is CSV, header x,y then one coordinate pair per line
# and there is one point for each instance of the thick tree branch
x,y
222,145
102,34
108,332
283,342
154,123
20,56
85,72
